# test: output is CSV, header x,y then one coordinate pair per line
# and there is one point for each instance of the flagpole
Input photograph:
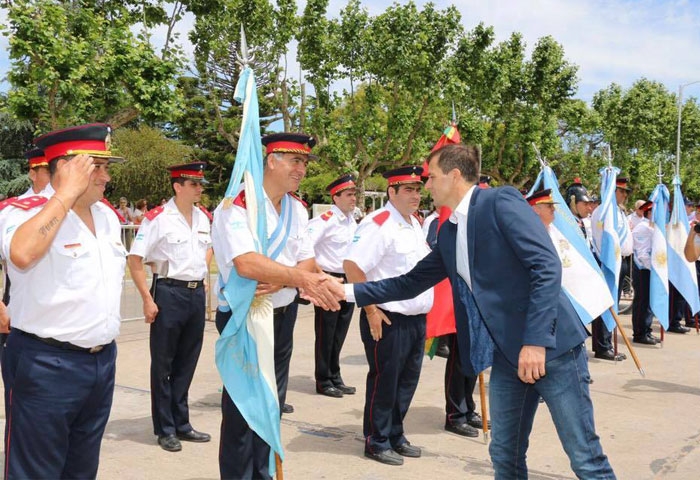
x,y
627,342
484,410
660,176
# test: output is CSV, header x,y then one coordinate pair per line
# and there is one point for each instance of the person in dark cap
x,y
331,234
38,174
66,262
390,242
175,240
642,315
242,453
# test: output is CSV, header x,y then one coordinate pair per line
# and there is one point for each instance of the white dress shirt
x,y
388,250
176,248
232,237
73,293
642,236
331,234
460,216
48,191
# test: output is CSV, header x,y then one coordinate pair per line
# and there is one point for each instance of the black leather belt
x,y
336,275
281,310
192,284
59,344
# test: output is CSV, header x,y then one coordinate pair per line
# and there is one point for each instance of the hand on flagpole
x,y
323,291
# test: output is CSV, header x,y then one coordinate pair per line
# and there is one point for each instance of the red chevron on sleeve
x,y
207,213
154,212
380,218
7,202
327,215
239,201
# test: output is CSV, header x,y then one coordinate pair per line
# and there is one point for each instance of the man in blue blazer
x,y
510,311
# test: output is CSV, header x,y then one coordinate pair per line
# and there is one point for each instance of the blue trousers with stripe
x,y
57,403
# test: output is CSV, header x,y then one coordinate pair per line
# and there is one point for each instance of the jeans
x,y
564,389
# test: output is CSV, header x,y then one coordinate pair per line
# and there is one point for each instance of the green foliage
x,y
13,177
78,62
147,152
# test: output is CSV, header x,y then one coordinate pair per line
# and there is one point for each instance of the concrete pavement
x,y
648,426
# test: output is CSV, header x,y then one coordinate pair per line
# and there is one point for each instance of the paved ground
x,y
649,426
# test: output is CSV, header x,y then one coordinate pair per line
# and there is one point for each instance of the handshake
x,y
323,290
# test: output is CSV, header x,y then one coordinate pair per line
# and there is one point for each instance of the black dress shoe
x,y
388,457
678,329
474,420
346,389
194,436
442,351
648,340
609,355
463,429
287,408
330,392
408,450
169,443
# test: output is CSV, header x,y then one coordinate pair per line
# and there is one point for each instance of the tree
x,y
147,152
79,62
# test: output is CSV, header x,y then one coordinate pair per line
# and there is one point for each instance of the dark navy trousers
x,y
641,313
57,403
175,342
459,388
394,368
242,453
331,330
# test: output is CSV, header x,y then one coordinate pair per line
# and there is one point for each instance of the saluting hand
x,y
72,177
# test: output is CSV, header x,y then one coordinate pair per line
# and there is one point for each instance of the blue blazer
x,y
515,278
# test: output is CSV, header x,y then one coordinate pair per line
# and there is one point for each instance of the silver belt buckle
x,y
192,285
96,349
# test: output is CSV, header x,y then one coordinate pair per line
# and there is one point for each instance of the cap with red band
x,y
289,143
403,175
622,182
340,184
191,171
541,197
36,158
93,140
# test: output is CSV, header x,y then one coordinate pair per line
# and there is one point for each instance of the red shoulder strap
x,y
28,203
116,212
7,202
299,199
207,213
380,218
328,214
239,201
154,212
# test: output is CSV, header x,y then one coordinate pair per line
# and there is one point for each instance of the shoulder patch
x,y
327,215
239,201
380,218
206,212
154,212
7,202
116,212
299,199
28,203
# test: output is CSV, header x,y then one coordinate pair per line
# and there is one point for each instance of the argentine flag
x,y
245,349
681,273
582,279
658,279
606,240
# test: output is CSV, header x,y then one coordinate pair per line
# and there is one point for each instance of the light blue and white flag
x,y
582,279
606,238
658,279
681,273
245,349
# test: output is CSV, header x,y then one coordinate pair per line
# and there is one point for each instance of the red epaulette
x,y
116,212
239,201
380,218
7,202
328,214
154,212
28,203
207,213
297,198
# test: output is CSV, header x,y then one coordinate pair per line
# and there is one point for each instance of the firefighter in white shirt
x,y
38,174
389,242
176,239
66,262
331,234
